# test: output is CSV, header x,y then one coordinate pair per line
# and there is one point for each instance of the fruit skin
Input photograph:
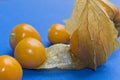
x,y
58,34
30,53
10,69
22,31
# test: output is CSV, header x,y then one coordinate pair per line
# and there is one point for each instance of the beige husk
x,y
58,56
95,21
97,36
111,10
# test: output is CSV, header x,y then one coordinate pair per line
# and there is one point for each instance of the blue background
x,y
42,14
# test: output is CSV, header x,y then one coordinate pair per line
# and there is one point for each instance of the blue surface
x,y
42,14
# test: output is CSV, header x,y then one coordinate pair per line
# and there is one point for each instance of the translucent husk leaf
x,y
97,34
97,37
111,9
58,56
113,12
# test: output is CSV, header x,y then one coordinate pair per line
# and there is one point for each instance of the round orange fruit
x,y
58,34
30,53
10,69
74,42
22,31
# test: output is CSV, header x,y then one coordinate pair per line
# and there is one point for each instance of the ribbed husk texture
x,y
97,22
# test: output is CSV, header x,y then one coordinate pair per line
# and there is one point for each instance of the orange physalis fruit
x,y
30,53
22,31
58,34
10,69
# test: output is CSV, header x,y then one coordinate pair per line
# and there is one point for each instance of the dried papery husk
x,y
118,28
117,22
97,36
58,56
93,37
113,12
111,9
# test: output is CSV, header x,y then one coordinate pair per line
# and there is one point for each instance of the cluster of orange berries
x,y
29,52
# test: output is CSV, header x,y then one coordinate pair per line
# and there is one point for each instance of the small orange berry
x,y
22,31
74,43
30,53
10,69
58,34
